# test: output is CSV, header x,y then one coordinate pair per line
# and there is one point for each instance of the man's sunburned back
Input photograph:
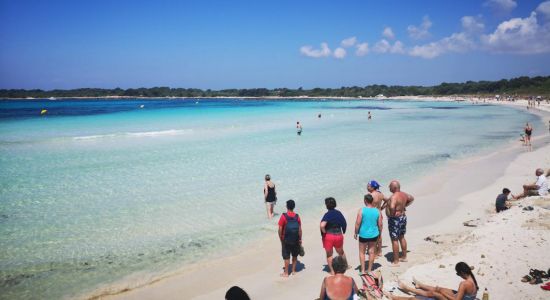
x,y
397,204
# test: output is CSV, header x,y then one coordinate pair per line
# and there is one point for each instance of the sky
x,y
269,44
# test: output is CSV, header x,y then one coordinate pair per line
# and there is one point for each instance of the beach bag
x,y
372,283
292,229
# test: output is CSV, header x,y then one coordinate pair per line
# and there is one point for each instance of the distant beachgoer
x,y
370,116
298,128
290,235
500,203
367,227
236,293
467,289
333,227
528,131
319,115
397,220
338,286
538,188
270,196
374,189
548,126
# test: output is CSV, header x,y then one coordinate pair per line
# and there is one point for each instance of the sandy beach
x,y
501,247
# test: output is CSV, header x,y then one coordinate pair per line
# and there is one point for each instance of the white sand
x,y
460,191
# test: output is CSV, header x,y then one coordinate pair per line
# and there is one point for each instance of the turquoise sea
x,y
97,190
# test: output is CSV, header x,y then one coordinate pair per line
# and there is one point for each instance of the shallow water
x,y
96,190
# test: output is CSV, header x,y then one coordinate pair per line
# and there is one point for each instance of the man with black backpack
x,y
290,234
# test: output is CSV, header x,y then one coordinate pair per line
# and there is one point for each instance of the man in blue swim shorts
x,y
395,207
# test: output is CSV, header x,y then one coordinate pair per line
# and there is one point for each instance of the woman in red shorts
x,y
333,227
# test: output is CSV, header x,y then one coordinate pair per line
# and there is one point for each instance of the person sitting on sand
x,y
501,202
397,220
467,289
338,286
270,196
373,187
333,227
290,235
538,188
367,227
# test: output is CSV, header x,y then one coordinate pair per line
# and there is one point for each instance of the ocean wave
x,y
161,132
136,134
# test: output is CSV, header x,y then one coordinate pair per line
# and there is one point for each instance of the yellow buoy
x,y
43,112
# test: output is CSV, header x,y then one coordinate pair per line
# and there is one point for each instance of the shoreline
x,y
256,268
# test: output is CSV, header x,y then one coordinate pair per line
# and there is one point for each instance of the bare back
x,y
378,198
396,204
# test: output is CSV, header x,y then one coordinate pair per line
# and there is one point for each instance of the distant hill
x,y
525,86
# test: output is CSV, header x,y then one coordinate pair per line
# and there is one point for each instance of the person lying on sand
x,y
538,188
467,289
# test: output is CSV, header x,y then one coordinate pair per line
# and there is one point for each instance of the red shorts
x,y
333,240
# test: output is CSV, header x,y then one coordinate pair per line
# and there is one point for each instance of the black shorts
x,y
364,240
288,249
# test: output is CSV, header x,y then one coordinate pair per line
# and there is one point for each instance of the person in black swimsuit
x,y
528,132
270,196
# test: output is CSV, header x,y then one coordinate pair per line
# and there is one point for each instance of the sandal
x,y
535,280
526,278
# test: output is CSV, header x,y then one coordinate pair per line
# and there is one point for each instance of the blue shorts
x,y
397,226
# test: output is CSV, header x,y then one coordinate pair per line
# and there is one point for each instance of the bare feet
x,y
284,275
394,265
417,283
293,273
403,259
402,286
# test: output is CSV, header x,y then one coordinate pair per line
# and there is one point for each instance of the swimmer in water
x,y
298,128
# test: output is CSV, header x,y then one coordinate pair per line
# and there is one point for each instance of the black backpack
x,y
292,229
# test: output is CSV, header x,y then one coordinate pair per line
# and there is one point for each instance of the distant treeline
x,y
517,86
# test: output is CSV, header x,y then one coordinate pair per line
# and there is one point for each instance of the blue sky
x,y
248,44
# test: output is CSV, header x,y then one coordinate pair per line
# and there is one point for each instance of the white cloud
x,y
349,42
388,33
362,49
422,31
501,6
316,53
519,36
340,53
472,24
544,9
383,46
457,42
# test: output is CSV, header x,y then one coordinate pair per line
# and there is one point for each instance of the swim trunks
x,y
397,226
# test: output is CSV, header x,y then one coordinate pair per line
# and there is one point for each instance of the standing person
x,y
367,227
500,203
397,220
528,131
548,126
298,128
374,189
370,117
290,235
333,227
270,196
